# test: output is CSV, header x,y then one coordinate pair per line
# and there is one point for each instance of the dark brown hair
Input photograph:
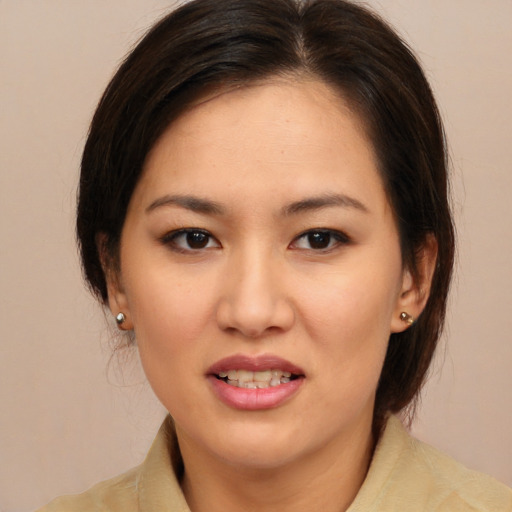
x,y
209,44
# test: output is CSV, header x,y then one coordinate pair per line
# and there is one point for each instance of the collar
x,y
158,480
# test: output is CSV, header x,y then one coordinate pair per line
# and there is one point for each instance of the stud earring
x,y
120,318
405,317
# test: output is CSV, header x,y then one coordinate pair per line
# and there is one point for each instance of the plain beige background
x,y
69,417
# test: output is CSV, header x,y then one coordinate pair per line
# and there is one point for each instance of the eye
x,y
190,239
320,240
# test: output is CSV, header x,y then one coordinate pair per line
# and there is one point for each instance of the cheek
x,y
348,316
351,303
170,314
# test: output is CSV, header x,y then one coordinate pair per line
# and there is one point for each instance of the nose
x,y
254,301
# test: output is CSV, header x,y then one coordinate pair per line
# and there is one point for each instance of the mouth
x,y
261,379
263,371
255,382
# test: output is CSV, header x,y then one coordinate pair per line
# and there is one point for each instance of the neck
x,y
326,480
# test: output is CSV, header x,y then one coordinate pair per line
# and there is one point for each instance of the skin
x,y
259,287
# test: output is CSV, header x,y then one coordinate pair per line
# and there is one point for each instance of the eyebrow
x,y
324,201
193,203
209,207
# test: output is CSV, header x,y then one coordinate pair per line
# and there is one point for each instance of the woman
x,y
263,207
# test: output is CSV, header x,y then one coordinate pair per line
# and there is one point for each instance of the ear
x,y
415,289
117,301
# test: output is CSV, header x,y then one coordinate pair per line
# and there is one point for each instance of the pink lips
x,y
254,399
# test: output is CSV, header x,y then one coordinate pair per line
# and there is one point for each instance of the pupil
x,y
197,240
319,240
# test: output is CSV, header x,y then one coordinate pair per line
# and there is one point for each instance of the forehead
x,y
280,135
296,106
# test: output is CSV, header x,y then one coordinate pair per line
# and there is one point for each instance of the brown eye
x,y
190,240
319,240
197,239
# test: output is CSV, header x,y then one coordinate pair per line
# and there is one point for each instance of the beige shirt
x,y
405,475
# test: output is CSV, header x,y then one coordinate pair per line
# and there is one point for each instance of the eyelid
x,y
340,238
170,238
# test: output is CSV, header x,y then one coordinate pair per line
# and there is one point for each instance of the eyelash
x,y
171,238
335,239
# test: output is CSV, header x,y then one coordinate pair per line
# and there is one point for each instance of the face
x,y
262,275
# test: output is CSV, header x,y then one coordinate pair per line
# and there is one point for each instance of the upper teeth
x,y
248,379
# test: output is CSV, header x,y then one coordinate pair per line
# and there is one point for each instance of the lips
x,y
254,364
255,383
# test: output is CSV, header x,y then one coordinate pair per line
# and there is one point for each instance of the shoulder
x,y
153,485
407,474
460,487
117,494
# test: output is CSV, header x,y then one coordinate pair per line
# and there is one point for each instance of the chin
x,y
260,446
252,457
